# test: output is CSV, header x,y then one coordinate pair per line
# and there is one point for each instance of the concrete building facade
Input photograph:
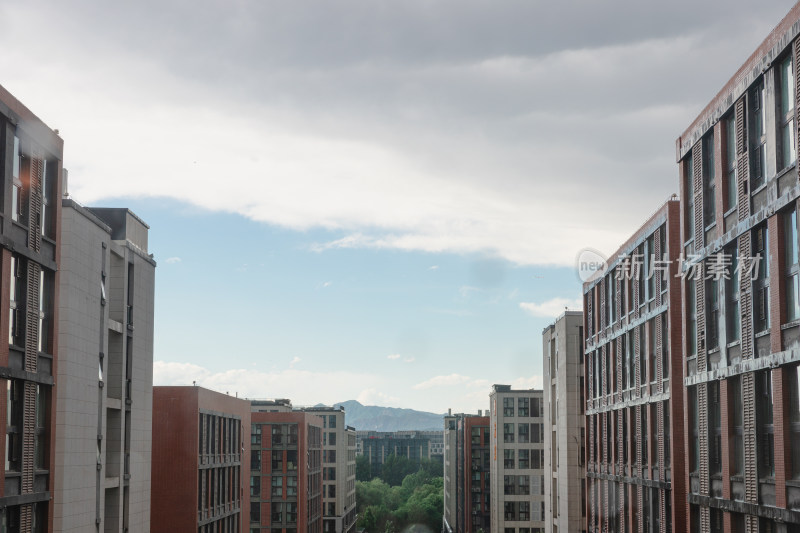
x,y
634,387
201,461
31,169
564,424
466,469
517,460
739,197
287,473
105,374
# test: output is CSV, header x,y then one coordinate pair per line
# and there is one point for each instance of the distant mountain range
x,y
374,418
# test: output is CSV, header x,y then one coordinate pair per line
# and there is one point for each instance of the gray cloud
x,y
445,126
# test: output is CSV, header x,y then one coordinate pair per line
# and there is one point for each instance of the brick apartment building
x,y
564,425
30,165
201,461
466,474
516,460
634,384
339,462
286,471
739,198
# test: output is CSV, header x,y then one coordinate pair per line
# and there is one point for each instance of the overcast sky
x,y
367,146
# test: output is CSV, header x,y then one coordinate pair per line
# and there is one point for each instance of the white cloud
x,y
294,361
375,397
393,356
551,308
172,260
443,381
409,360
532,382
433,267
303,387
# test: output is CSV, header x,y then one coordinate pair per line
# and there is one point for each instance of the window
x,y
766,444
735,400
291,486
331,439
791,265
630,359
277,435
793,376
709,187
760,241
332,421
624,413
276,517
694,432
277,461
509,485
524,459
45,313
649,255
644,439
40,444
524,511
14,425
523,407
508,459
691,305
611,299
664,346
688,187
16,188
651,349
255,513
277,487
758,137
255,460
536,407
785,118
642,356
732,316
714,430
537,459
291,512
523,433
508,406
16,295
291,459
712,301
667,433
730,161
537,431
524,485
255,486
508,432
49,178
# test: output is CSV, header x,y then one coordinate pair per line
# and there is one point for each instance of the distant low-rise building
x,y
413,445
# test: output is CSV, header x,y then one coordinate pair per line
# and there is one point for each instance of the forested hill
x,y
374,418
